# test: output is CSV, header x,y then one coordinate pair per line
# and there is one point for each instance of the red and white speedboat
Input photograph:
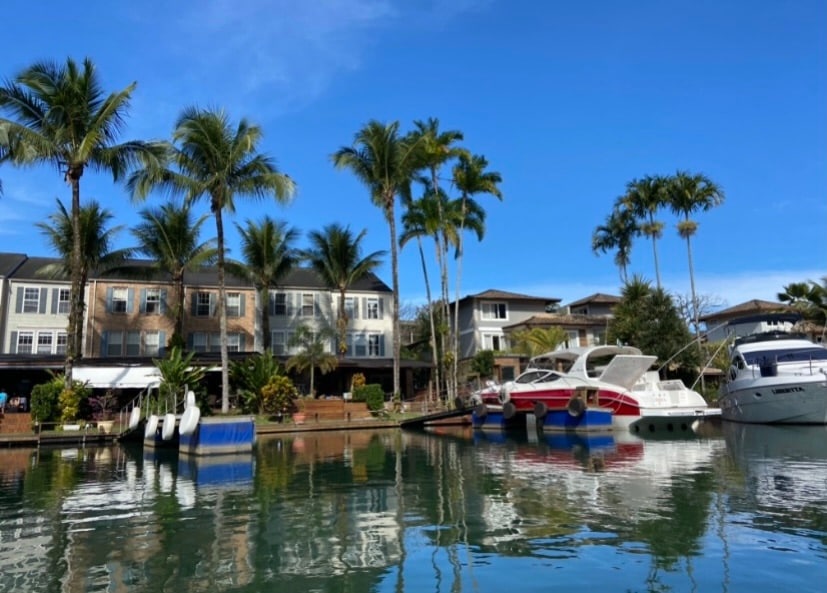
x,y
611,377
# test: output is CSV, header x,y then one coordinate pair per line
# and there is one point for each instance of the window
x,y
63,301
199,342
233,342
359,345
351,308
599,336
119,299
44,342
572,338
25,342
202,304
233,304
493,342
494,311
62,341
372,309
308,305
133,343
152,302
280,304
373,345
278,343
152,343
31,300
114,343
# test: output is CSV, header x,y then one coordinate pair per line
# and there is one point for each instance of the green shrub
x,y
278,396
53,401
44,404
372,395
69,401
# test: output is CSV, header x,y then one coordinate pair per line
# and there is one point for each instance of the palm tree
x,y
312,353
471,178
61,116
96,243
168,236
617,233
436,148
687,194
215,160
269,255
422,219
336,256
644,197
538,340
808,297
386,163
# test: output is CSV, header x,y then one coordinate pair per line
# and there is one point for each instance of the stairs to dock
x,y
319,410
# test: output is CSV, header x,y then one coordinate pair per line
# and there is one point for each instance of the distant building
x,y
749,320
717,323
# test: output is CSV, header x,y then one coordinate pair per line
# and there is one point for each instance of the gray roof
x,y
26,268
753,306
31,270
595,298
506,295
9,263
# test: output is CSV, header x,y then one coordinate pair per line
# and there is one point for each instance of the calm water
x,y
741,509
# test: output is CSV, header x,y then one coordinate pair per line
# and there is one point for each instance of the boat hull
x,y
491,417
773,401
625,411
590,420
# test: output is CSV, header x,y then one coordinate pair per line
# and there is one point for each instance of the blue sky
x,y
568,101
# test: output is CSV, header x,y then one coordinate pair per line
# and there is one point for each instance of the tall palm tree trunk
x,y
655,250
75,343
341,322
264,303
222,314
432,341
179,305
389,209
446,315
695,319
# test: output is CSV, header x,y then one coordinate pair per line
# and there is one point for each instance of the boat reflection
x,y
780,467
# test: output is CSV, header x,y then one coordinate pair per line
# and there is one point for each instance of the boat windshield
x,y
786,355
536,376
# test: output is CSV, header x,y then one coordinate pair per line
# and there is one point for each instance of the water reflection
x,y
396,511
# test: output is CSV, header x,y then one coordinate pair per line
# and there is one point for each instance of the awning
x,y
117,377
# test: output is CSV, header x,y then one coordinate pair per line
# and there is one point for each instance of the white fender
x,y
168,430
189,421
134,417
151,427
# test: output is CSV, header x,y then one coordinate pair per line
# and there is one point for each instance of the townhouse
x,y
130,318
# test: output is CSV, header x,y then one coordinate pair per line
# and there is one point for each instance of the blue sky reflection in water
x,y
743,508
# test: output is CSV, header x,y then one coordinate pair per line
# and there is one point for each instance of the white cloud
x,y
284,52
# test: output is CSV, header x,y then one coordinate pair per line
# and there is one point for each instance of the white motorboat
x,y
616,378
775,377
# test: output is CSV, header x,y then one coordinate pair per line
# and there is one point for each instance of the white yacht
x,y
775,377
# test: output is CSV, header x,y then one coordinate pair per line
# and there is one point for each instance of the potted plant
x,y
102,409
299,416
